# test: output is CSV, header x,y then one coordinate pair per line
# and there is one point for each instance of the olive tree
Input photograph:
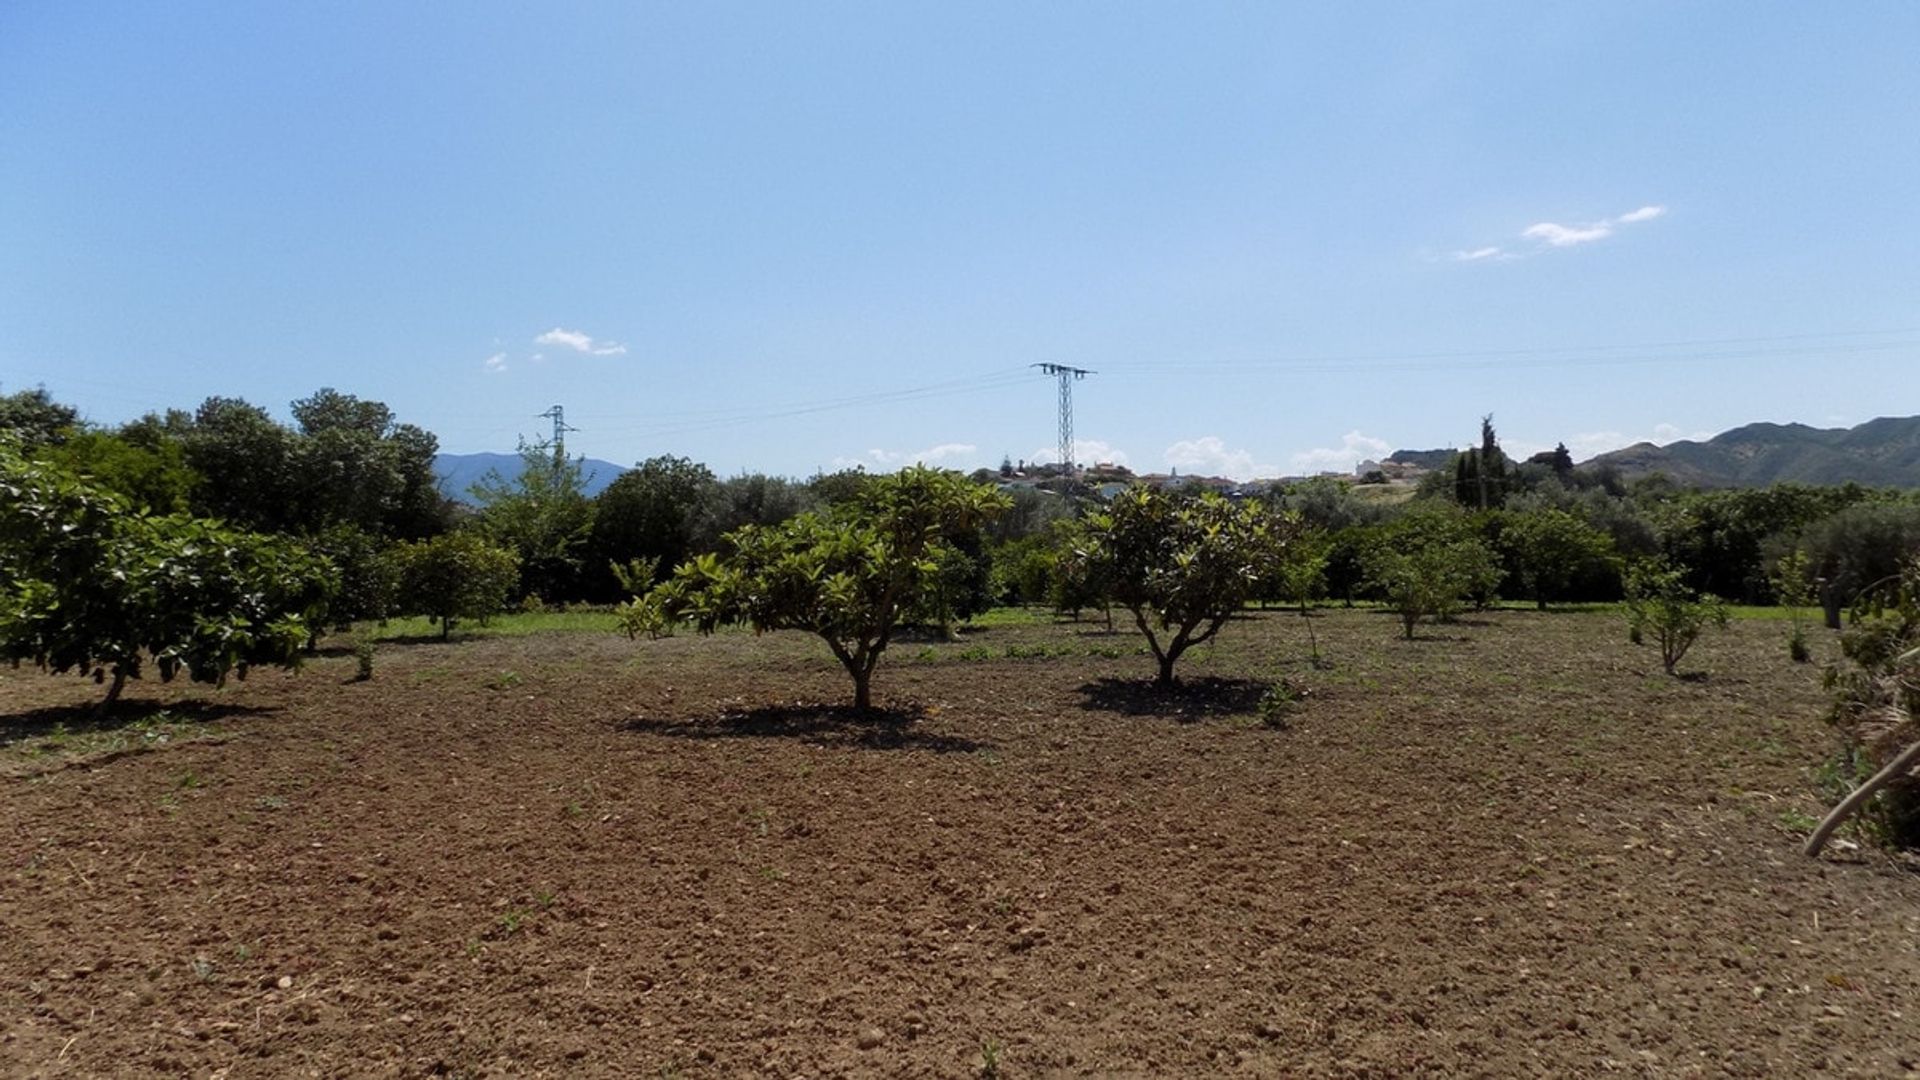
x,y
1183,565
88,585
847,574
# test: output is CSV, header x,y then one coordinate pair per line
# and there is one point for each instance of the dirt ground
x,y
1511,848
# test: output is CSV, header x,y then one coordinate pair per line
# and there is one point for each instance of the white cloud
x,y
1210,454
1587,444
1085,452
496,362
1567,235
580,342
1354,448
1552,234
932,455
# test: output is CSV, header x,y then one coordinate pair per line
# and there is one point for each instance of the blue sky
x,y
789,236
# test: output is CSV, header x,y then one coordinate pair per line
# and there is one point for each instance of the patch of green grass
x,y
515,624
1011,616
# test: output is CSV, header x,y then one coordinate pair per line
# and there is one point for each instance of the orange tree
x,y
846,575
1183,565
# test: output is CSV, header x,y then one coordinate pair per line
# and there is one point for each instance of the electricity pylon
x,y
560,429
1067,376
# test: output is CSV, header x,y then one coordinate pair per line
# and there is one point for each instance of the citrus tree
x,y
1183,565
847,574
88,585
1427,564
1661,604
459,575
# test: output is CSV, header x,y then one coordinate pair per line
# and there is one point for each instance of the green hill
x,y
1879,453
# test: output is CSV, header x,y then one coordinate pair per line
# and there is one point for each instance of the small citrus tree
x,y
1427,565
1660,603
846,575
455,576
1183,565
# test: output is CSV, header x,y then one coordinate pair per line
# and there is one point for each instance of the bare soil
x,y
1510,848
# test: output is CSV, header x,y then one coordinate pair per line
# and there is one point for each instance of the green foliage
x,y
1719,539
1480,474
31,419
1183,565
847,576
1279,701
347,462
456,576
91,586
643,611
1428,564
1548,548
1857,548
151,476
1660,604
651,512
1793,585
750,499
363,660
1300,574
1022,571
1876,688
368,576
543,516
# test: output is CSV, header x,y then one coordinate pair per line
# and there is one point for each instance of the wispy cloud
x,y
1547,235
1567,235
497,362
579,342
1354,448
1210,454
932,455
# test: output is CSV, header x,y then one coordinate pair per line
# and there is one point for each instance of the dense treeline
x,y
355,485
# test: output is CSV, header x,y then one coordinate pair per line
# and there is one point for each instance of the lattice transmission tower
x,y
560,428
1067,376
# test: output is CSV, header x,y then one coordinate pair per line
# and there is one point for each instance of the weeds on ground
x,y
1280,701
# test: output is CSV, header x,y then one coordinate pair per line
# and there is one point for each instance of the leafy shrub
x,y
1662,605
456,576
86,585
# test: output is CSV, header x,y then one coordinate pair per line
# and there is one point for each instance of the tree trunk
x,y
1407,620
1164,680
1895,769
1830,606
863,690
446,627
1541,601
113,691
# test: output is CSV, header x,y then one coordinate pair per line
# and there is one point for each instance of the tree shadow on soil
x,y
839,725
1187,700
80,719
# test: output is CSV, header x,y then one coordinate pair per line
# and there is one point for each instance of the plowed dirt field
x,y
1511,848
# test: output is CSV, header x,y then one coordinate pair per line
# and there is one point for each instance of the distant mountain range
x,y
1878,453
458,472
